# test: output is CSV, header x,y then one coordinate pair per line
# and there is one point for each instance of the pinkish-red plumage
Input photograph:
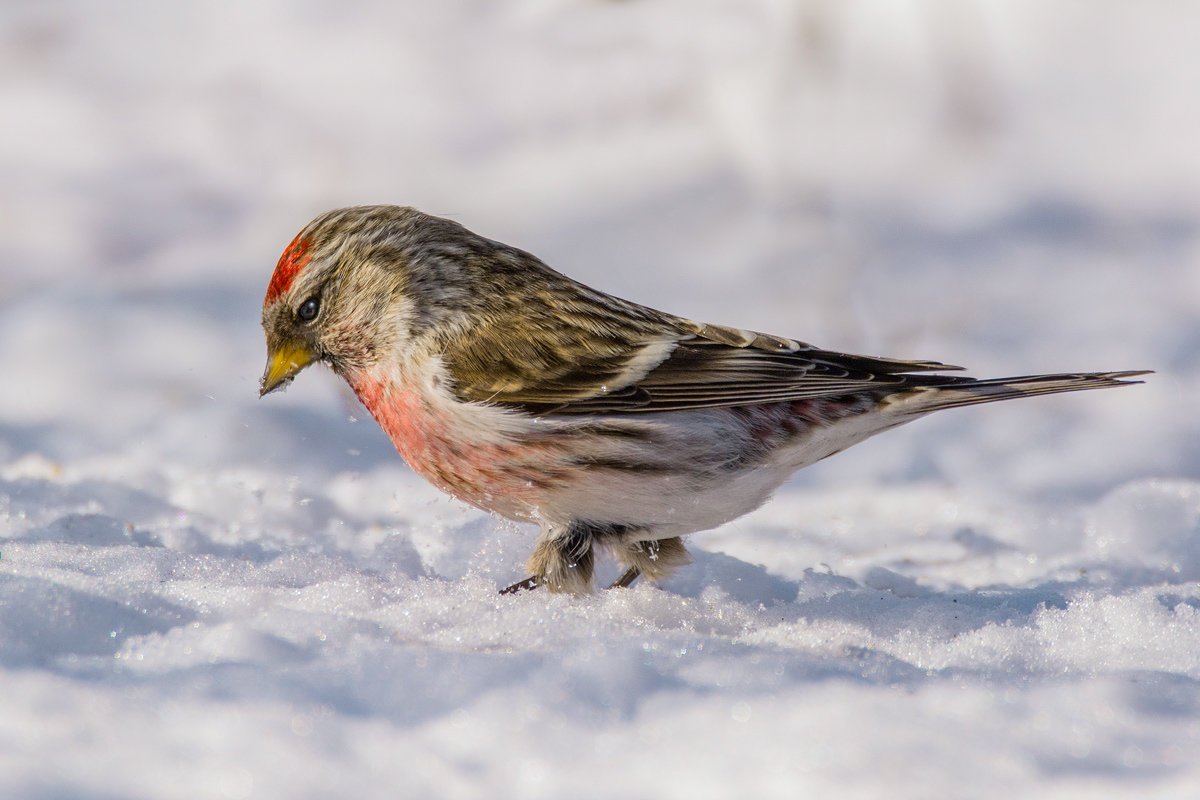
x,y
290,263
492,473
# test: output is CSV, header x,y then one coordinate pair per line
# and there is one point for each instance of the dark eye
x,y
307,311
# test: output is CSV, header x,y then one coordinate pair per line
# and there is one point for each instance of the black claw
x,y
529,584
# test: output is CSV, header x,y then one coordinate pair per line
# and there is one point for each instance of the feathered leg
x,y
563,560
656,559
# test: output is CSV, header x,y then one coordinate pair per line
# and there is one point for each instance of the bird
x,y
613,426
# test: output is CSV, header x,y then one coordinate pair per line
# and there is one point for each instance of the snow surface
x,y
205,595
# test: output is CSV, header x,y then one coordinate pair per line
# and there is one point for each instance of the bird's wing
x,y
664,364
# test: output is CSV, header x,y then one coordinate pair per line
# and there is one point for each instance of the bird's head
x,y
389,285
340,293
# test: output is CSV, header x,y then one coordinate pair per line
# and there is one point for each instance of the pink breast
x,y
501,476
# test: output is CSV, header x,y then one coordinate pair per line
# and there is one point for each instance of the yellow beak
x,y
283,363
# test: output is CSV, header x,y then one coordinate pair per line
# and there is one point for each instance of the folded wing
x,y
672,365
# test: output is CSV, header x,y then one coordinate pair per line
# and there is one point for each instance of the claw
x,y
527,585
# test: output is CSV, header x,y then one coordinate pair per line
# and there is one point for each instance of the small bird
x,y
612,425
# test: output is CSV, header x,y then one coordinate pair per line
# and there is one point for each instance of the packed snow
x,y
208,595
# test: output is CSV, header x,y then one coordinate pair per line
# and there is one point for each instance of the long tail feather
x,y
989,391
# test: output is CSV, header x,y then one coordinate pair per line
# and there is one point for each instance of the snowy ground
x,y
205,595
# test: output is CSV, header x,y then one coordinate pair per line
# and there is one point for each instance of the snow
x,y
207,595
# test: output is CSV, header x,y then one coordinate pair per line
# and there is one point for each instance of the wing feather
x,y
664,364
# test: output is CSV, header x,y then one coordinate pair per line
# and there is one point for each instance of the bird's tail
x,y
967,392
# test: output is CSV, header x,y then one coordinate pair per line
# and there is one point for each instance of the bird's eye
x,y
307,311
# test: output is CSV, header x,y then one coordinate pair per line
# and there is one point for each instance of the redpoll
x,y
525,393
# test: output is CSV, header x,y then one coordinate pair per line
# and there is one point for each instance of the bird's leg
x,y
562,561
656,559
626,580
